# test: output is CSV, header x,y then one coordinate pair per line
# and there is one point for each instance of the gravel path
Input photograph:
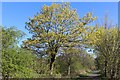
x,y
94,74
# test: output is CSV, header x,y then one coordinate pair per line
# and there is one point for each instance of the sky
x,y
17,13
60,0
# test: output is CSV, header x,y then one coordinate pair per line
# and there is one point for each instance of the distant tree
x,y
106,44
41,67
56,26
16,62
74,60
69,56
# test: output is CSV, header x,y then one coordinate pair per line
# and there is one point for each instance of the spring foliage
x,y
56,26
16,62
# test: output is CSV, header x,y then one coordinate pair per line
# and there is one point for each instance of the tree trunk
x,y
105,68
52,59
113,73
69,69
114,68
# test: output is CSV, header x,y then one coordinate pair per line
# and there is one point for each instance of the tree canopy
x,y
56,26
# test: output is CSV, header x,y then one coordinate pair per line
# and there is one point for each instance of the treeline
x,y
107,49
22,63
58,46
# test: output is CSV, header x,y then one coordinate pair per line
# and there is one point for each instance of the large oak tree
x,y
56,26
